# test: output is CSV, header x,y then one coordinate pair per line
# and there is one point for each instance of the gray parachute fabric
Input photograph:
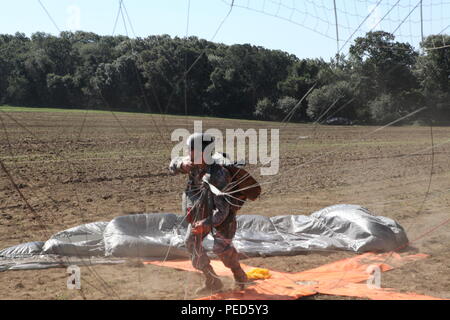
x,y
84,240
23,250
161,236
146,235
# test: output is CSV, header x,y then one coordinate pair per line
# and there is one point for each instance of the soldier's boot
x,y
240,278
212,282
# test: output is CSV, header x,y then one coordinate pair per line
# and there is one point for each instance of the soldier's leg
x,y
201,261
224,249
194,245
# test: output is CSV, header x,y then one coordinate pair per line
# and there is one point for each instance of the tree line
x,y
378,81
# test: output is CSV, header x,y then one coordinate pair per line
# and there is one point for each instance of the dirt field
x,y
78,167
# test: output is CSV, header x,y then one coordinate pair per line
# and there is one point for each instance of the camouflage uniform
x,y
200,203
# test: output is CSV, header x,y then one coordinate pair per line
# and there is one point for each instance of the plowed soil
x,y
83,166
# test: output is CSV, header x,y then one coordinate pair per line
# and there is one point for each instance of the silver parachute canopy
x,y
161,235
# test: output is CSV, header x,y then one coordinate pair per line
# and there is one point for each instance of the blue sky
x,y
310,31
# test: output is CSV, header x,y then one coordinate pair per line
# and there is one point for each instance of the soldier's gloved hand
x,y
186,166
201,227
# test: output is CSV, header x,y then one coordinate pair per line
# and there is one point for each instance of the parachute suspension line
x,y
232,184
373,27
285,121
119,14
122,10
330,152
58,153
317,158
427,193
219,193
199,56
282,234
289,116
444,45
395,121
431,168
117,18
360,25
401,118
323,115
340,108
337,30
426,196
102,281
431,129
24,199
49,16
181,222
128,18
421,21
123,17
185,62
223,21
410,12
385,16
444,29
33,211
39,197
436,193
7,137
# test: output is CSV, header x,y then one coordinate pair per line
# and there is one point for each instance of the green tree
x,y
382,72
338,99
265,110
433,72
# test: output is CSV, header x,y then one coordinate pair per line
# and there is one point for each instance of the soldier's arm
x,y
177,165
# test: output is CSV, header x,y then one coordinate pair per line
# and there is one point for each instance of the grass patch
x,y
8,108
79,156
294,146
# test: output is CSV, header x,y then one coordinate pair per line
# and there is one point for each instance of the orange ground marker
x,y
342,278
277,287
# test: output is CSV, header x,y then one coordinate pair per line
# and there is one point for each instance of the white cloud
x,y
374,19
73,21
